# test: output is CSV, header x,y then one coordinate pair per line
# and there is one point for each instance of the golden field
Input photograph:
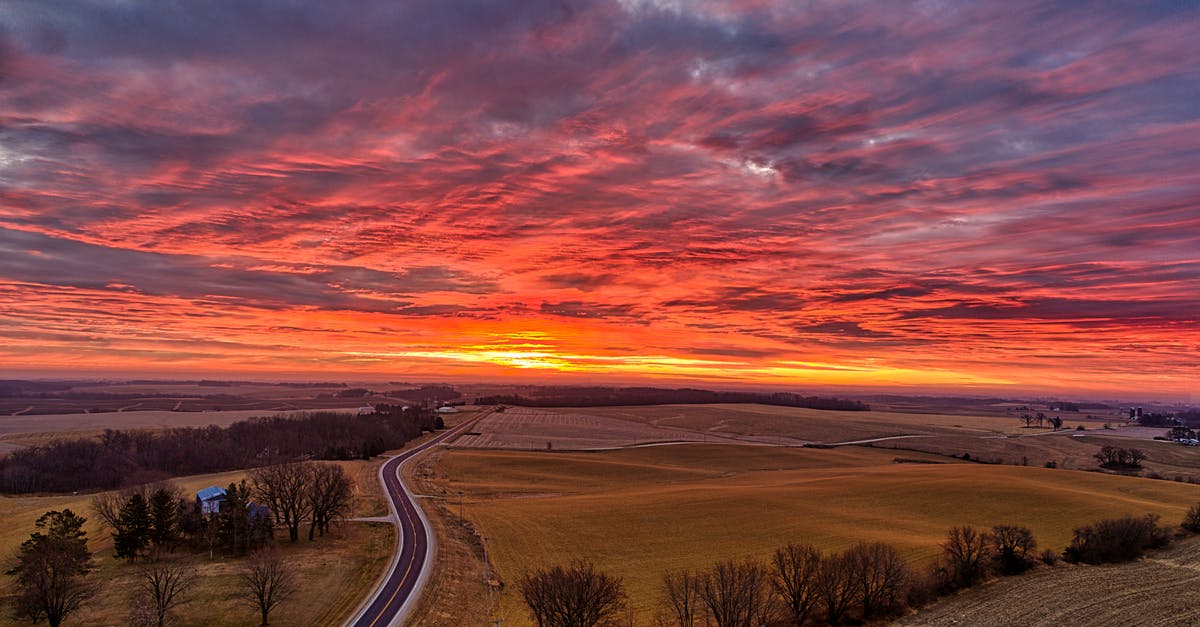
x,y
639,512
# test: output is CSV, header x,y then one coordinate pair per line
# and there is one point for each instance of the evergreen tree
x,y
133,528
164,519
51,566
235,521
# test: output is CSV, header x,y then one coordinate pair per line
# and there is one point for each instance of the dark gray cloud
x,y
37,258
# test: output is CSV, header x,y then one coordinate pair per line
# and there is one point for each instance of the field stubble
x,y
640,512
1158,590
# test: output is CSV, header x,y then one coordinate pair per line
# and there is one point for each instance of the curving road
x,y
401,586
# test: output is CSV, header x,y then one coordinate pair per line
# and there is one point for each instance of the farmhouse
x,y
211,499
447,410
366,410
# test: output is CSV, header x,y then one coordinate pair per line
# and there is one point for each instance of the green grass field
x,y
639,512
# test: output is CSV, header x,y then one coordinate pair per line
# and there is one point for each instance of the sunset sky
x,y
991,196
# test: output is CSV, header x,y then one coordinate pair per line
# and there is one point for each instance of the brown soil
x,y
1157,590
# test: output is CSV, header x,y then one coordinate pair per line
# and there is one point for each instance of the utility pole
x,y
461,519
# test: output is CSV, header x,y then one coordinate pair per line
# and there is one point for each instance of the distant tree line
x,y
1113,457
427,393
603,397
15,388
120,458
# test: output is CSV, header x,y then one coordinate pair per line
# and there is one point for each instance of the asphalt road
x,y
394,597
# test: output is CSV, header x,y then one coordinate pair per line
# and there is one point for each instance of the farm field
x,y
25,398
801,425
550,429
1158,590
639,512
334,573
992,439
33,428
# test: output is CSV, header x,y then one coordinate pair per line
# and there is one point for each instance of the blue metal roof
x,y
211,492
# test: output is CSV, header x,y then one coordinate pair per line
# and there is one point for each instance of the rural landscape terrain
x,y
639,491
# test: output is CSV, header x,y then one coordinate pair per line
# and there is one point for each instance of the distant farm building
x,y
447,410
211,499
366,410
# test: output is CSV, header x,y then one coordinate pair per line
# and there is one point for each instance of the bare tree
x,y
795,579
964,558
837,587
329,493
284,488
575,596
737,594
267,580
1012,548
161,588
882,576
682,592
106,508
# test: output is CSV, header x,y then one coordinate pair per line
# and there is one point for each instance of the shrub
x,y
1049,557
1191,520
1116,540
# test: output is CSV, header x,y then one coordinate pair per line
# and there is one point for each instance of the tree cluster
x,y
121,458
803,585
1120,458
1042,419
1117,540
1180,432
304,492
52,571
148,520
606,397
800,585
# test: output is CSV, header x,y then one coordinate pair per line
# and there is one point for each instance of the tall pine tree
x,y
164,519
133,528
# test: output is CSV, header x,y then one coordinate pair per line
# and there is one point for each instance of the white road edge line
x,y
430,545
430,548
379,581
